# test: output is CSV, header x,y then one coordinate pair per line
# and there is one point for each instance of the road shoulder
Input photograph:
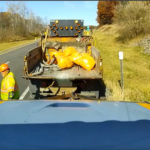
x,y
17,47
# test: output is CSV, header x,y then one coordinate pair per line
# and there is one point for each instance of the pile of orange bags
x,y
62,60
71,56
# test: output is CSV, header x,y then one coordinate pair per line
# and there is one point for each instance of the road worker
x,y
9,86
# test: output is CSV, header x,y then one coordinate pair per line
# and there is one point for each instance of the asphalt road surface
x,y
15,59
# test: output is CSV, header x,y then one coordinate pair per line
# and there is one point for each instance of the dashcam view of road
x,y
74,75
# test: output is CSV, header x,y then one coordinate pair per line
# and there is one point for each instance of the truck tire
x,y
34,89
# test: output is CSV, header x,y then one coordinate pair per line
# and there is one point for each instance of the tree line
x,y
19,22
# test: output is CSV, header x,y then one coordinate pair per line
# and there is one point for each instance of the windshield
x,y
105,57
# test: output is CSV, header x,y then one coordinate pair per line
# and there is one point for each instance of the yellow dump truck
x,y
43,71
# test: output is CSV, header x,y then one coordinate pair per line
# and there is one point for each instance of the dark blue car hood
x,y
57,125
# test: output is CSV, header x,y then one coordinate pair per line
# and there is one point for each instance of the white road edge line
x,y
7,63
24,93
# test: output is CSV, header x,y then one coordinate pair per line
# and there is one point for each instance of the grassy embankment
x,y
136,65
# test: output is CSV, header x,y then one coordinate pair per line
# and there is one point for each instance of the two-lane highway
x,y
15,60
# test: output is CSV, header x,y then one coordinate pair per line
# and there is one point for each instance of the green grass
x,y
8,45
136,66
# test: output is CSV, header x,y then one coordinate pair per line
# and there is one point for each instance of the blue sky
x,y
85,10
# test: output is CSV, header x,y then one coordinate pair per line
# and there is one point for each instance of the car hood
x,y
73,125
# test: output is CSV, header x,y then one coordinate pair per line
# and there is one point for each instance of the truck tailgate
x,y
75,72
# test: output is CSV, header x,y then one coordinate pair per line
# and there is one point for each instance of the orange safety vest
x,y
9,84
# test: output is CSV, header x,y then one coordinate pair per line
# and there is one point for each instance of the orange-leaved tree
x,y
105,12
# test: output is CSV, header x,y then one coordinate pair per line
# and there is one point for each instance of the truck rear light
x,y
76,21
56,21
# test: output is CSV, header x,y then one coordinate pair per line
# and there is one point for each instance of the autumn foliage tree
x,y
105,12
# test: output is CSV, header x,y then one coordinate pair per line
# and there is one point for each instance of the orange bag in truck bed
x,y
64,62
75,57
68,51
84,60
55,53
87,62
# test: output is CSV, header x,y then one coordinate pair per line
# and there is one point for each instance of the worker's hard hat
x,y
3,67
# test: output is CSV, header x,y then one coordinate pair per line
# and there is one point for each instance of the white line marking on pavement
x,y
7,62
24,93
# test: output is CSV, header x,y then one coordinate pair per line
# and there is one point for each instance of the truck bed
x,y
76,72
